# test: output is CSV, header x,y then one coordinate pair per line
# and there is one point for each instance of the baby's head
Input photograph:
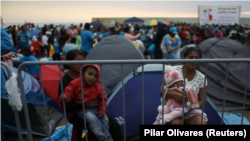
x,y
173,78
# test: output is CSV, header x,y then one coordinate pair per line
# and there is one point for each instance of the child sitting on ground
x,y
95,117
172,109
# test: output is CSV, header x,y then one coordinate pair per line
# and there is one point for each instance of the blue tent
x,y
34,98
153,78
135,21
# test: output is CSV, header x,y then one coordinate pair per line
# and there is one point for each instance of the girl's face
x,y
177,84
90,75
75,68
192,55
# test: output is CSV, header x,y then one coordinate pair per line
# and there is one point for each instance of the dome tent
x,y
114,48
221,48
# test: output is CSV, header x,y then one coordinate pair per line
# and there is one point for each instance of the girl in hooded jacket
x,y
92,89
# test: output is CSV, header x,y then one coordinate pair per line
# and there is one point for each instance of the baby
x,y
174,82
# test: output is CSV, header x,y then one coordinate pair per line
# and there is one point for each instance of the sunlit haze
x,y
84,11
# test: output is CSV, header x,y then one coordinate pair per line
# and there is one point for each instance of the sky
x,y
84,11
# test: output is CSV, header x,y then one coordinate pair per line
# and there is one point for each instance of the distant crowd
x,y
159,41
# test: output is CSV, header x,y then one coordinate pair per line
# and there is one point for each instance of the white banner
x,y
221,15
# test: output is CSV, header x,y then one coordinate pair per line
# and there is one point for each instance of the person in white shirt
x,y
45,46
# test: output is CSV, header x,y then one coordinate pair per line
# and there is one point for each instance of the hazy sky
x,y
83,11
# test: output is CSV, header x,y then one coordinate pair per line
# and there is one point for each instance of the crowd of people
x,y
160,42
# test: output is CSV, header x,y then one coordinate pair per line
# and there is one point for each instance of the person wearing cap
x,y
234,35
23,38
92,29
87,38
45,46
217,33
171,44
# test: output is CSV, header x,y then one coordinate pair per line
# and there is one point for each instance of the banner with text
x,y
219,15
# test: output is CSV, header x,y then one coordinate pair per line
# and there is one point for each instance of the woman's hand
x,y
91,104
177,96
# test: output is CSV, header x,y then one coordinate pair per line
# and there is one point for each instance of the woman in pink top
x,y
129,35
73,33
217,33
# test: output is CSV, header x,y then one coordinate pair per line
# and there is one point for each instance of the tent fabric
x,y
234,119
40,123
34,98
114,48
97,24
135,21
32,87
220,48
51,79
153,77
5,43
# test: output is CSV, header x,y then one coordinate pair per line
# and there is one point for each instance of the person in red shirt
x,y
183,36
35,47
95,117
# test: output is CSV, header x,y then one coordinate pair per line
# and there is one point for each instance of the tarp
x,y
234,119
153,78
220,48
34,98
114,48
61,133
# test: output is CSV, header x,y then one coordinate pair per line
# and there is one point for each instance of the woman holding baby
x,y
196,80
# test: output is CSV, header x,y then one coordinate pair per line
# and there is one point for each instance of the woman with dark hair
x,y
53,40
128,34
197,81
71,108
200,36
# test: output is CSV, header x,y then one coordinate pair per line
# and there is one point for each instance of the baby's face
x,y
177,84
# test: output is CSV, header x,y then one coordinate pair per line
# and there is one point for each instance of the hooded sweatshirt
x,y
91,92
5,42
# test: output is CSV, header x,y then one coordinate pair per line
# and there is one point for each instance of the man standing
x,y
87,38
158,39
45,46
